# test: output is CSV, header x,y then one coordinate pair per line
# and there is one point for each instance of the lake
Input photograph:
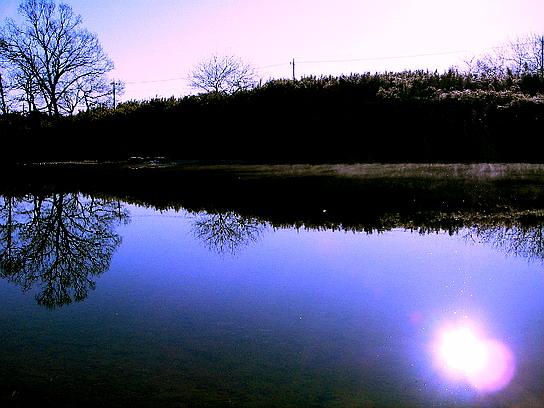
x,y
378,287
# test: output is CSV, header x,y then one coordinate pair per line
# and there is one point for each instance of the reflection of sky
x,y
355,311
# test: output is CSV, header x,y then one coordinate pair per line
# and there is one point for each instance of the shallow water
x,y
107,303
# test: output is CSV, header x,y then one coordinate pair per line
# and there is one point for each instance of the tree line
x,y
50,63
232,206
407,116
57,70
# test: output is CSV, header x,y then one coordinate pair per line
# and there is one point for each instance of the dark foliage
x,y
395,117
233,204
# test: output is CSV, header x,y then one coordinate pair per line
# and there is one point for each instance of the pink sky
x,y
162,39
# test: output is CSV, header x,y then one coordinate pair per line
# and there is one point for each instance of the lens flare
x,y
464,354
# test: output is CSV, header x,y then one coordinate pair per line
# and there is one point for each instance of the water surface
x,y
106,303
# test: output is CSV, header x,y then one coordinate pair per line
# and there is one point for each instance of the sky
x,y
155,43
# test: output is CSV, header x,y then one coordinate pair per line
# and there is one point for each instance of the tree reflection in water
x,y
517,240
57,243
227,232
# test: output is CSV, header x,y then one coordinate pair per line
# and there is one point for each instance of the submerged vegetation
x,y
408,116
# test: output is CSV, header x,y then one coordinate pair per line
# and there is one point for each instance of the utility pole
x,y
3,107
542,56
114,102
293,64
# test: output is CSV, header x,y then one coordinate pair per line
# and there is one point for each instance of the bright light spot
x,y
463,353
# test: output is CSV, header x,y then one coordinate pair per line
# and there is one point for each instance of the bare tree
x,y
57,244
518,57
523,56
56,64
227,232
537,53
525,241
223,74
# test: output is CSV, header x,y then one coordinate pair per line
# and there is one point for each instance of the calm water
x,y
105,303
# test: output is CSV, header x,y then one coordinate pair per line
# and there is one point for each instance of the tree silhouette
x,y
55,64
57,244
520,57
222,75
518,240
227,232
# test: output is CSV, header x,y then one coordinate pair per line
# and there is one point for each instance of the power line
x,y
428,54
273,65
152,81
376,58
113,84
382,58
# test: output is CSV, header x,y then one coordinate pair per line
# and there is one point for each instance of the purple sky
x,y
162,39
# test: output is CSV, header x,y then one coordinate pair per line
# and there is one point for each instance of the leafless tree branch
x,y
222,74
56,64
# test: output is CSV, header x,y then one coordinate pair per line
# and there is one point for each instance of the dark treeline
x,y
409,116
340,197
58,223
